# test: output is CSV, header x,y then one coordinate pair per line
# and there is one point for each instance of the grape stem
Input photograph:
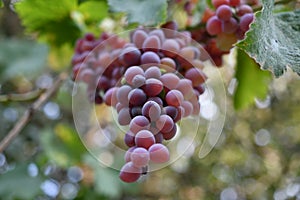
x,y
31,95
28,114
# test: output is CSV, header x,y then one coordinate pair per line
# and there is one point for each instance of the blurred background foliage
x,y
256,157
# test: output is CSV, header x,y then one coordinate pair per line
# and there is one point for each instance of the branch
x,y
20,124
21,97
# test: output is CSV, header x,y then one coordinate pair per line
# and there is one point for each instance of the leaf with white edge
x,y
252,81
273,39
144,12
51,19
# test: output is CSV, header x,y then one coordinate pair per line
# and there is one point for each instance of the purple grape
x,y
169,135
135,111
138,80
150,58
122,94
196,76
129,139
214,25
124,116
158,138
139,123
159,153
230,26
245,21
171,111
174,98
152,87
140,157
139,37
151,110
144,138
130,56
152,43
153,72
129,173
128,154
131,72
164,123
224,12
137,97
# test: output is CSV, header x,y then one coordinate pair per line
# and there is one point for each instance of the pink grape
x,y
169,135
152,43
139,123
122,94
139,37
152,87
144,138
196,76
159,153
127,156
140,157
230,26
245,21
164,123
129,173
214,26
132,72
151,110
174,98
153,72
137,97
124,117
129,139
224,12
150,58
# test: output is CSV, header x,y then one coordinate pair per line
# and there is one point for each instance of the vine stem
x,y
21,123
21,97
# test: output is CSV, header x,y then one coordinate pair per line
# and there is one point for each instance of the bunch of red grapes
x,y
152,81
223,26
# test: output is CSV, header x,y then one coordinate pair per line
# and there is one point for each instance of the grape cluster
x,y
220,28
96,58
153,81
230,21
151,102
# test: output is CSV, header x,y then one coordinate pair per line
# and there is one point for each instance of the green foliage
x,y
68,147
17,184
273,40
1,4
93,10
252,82
21,58
144,12
52,20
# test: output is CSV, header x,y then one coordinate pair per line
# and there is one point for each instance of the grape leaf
x,y
252,81
93,10
273,39
50,18
141,11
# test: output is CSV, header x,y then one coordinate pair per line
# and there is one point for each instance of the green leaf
x,y
1,4
21,58
144,12
17,184
51,19
93,10
252,81
62,145
273,40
